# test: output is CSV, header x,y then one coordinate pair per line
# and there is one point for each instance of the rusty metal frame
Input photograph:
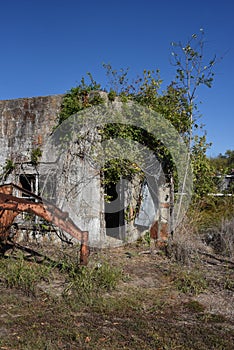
x,y
11,206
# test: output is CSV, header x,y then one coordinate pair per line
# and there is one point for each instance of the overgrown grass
x,y
210,212
86,284
208,224
83,284
221,238
22,274
190,282
98,311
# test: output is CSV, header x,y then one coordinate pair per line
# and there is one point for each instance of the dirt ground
x,y
157,304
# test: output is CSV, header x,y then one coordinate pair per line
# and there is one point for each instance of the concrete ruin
x,y
26,124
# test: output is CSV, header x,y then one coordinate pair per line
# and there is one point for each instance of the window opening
x,y
29,182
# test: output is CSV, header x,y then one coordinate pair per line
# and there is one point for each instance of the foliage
x,y
203,171
191,282
118,80
191,70
173,106
223,163
145,91
78,98
36,154
207,214
87,283
116,168
112,95
22,274
7,169
176,104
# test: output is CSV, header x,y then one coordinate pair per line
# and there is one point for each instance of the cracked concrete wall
x,y
26,124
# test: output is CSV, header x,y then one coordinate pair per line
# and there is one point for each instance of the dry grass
x,y
126,298
185,244
221,238
123,300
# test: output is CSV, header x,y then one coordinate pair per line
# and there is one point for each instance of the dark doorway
x,y
114,211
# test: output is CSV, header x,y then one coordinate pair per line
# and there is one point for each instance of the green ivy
x,y
176,104
78,98
36,154
7,169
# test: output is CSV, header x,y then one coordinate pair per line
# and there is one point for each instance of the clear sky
x,y
48,45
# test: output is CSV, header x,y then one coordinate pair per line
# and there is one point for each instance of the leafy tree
x,y
223,163
177,104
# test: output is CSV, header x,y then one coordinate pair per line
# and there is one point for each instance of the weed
x,y
144,239
183,247
36,154
7,169
221,238
22,274
229,282
190,282
112,95
86,284
194,306
211,318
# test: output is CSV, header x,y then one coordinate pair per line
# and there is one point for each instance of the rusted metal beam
x,y
11,206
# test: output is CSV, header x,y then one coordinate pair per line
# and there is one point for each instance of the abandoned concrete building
x,y
26,126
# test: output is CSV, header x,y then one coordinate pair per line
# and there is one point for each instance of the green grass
x,y
22,274
87,284
100,309
190,282
194,306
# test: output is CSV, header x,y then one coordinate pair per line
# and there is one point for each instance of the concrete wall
x,y
25,123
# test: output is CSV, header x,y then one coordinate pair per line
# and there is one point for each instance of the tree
x,y
192,71
177,104
223,163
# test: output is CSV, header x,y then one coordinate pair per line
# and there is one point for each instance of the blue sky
x,y
48,45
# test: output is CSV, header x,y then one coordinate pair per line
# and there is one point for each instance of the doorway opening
x,y
114,211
